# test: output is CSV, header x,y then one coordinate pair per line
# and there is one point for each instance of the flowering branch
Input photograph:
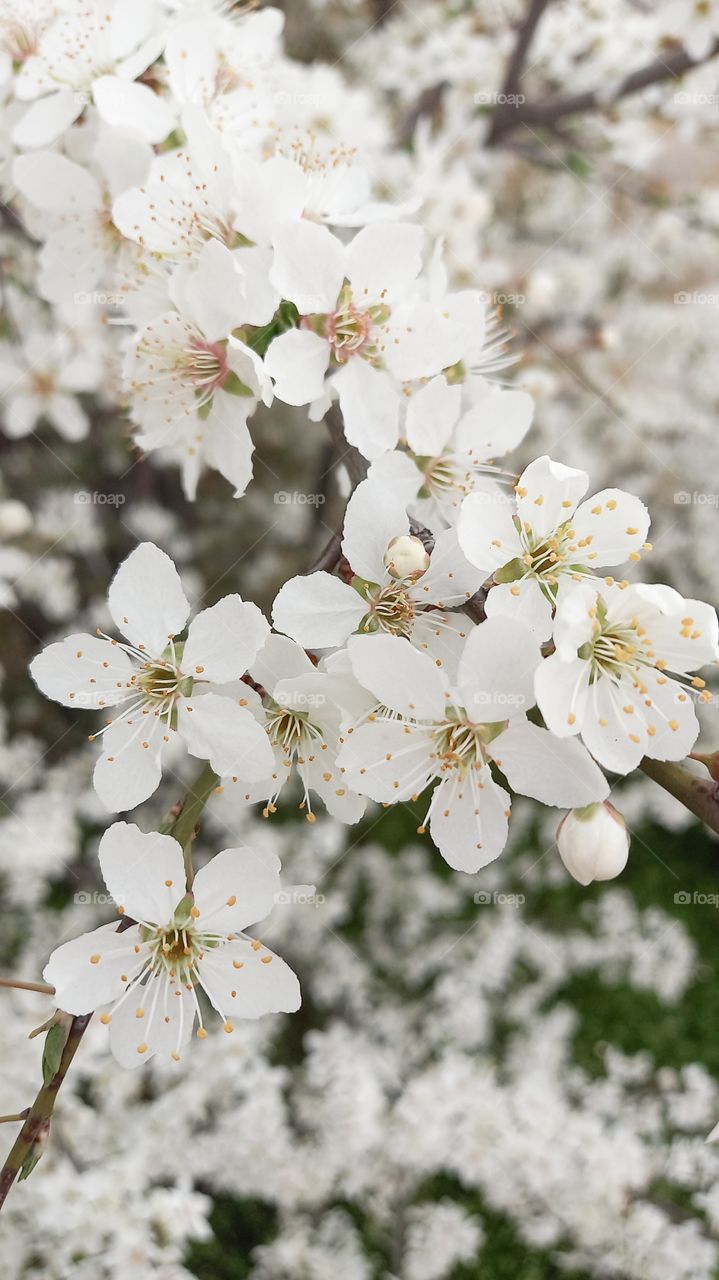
x,y
30,1143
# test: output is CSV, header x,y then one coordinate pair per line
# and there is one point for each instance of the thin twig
x,y
515,67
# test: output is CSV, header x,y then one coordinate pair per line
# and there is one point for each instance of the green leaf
x,y
234,386
55,1042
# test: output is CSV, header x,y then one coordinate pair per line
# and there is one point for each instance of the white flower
x,y
95,53
620,673
545,539
179,944
454,431
593,843
422,730
158,688
193,384
40,379
302,712
81,246
362,318
321,611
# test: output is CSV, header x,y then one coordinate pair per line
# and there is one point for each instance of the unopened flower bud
x,y
593,843
406,557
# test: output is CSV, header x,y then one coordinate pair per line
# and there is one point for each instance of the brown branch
x,y
515,68
671,67
31,1140
699,795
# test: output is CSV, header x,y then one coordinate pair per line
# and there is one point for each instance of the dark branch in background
x,y
347,456
515,67
671,67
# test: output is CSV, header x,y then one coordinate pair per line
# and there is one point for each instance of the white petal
x,y
244,982
554,771
279,659
615,737
217,729
373,518
144,872
369,400
617,524
55,184
399,676
469,819
318,611
486,530
227,444
297,362
383,260
524,601
396,472
450,579
129,768
83,982
496,670
236,888
213,293
387,760
496,424
67,417
124,104
83,671
309,266
671,717
548,493
164,1029
146,599
224,640
562,691
431,413
47,118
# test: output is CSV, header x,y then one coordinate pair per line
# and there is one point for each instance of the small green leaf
x,y
52,1053
234,386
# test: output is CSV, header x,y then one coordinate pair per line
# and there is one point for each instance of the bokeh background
x,y
503,1077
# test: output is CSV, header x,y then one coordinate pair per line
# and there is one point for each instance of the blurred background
x,y
503,1077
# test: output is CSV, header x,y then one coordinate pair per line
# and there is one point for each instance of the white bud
x,y
593,843
14,518
406,557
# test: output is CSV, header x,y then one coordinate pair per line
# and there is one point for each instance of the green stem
x,y
699,795
182,826
32,1138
